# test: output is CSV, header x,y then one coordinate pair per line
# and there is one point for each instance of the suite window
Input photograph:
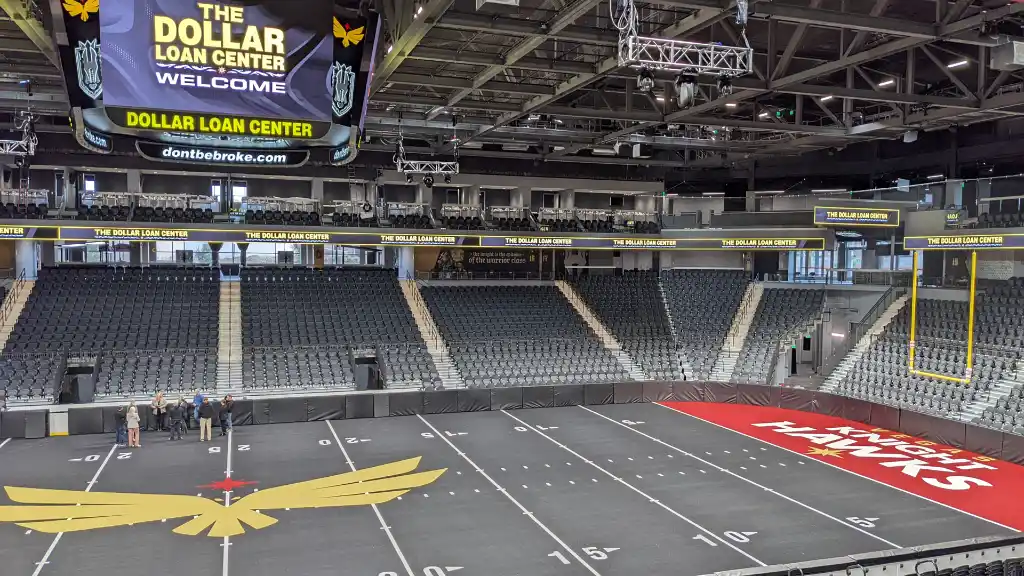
x,y
239,190
89,183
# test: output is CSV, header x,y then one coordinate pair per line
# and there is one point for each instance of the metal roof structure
x,y
541,80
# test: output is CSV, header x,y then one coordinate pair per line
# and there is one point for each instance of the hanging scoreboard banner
x,y
453,240
88,138
80,58
227,67
965,242
210,156
346,83
856,217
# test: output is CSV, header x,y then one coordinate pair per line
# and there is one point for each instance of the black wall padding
x,y
261,411
85,421
440,402
12,425
934,428
689,391
36,423
1013,448
825,403
569,395
857,410
109,421
359,406
406,404
475,400
796,399
753,394
629,392
887,417
539,397
506,398
325,408
241,414
721,392
984,441
658,392
381,405
286,410
775,396
147,421
597,394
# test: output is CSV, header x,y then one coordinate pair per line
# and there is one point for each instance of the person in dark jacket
x,y
206,413
121,420
176,412
227,405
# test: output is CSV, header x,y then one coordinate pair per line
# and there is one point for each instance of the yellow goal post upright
x,y
912,344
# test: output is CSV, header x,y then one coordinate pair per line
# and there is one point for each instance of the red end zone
x,y
976,484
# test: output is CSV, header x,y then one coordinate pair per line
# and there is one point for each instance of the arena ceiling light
x,y
824,98
957,64
887,82
730,104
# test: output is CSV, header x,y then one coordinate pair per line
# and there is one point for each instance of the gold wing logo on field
x,y
54,511
348,36
81,9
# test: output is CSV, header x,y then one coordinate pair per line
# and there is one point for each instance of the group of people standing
x,y
175,416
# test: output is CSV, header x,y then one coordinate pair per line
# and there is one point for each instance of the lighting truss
x,y
426,167
684,57
23,147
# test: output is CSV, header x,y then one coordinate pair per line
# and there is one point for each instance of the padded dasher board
x,y
597,394
440,402
405,404
506,398
569,395
538,397
359,406
324,408
658,392
85,420
721,392
629,392
474,400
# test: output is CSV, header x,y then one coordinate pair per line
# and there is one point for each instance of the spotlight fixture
x,y
447,178
686,90
724,86
645,80
428,180
408,178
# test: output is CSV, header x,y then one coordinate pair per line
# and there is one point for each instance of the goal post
x,y
912,344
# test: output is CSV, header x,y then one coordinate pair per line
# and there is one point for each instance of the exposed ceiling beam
x,y
18,45
949,75
411,37
794,43
33,29
503,25
464,84
484,59
21,71
697,21
846,20
861,36
563,19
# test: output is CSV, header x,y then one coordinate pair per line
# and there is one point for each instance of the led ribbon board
x,y
965,242
139,234
856,217
221,67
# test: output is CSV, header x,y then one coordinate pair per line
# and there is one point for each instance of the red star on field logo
x,y
228,484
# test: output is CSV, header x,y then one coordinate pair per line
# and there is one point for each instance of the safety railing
x,y
12,296
858,330
465,275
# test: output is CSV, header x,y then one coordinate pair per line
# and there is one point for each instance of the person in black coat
x,y
176,412
121,420
227,406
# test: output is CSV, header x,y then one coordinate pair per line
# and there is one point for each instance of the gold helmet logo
x,y
81,9
349,37
53,511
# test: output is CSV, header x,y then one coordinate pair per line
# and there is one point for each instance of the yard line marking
x,y
4,443
227,503
749,481
376,510
512,499
637,490
993,522
56,539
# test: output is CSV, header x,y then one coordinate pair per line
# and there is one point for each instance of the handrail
x,y
859,329
11,297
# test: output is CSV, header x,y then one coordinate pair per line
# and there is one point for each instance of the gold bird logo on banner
x,y
347,34
81,9
54,511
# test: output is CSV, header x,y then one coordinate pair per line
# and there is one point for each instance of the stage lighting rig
x,y
26,147
686,90
645,81
428,180
650,53
724,86
426,167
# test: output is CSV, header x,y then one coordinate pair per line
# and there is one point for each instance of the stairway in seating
x,y
606,337
737,336
683,367
446,369
14,303
847,364
973,410
229,338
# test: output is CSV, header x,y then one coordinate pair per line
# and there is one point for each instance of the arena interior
x,y
511,287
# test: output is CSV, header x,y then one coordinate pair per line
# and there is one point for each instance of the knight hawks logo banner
x,y
973,483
